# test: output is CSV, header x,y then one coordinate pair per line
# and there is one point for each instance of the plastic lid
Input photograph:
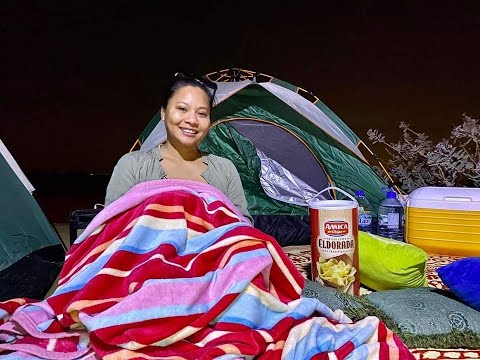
x,y
391,195
359,193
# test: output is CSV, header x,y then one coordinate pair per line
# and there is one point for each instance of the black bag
x,y
79,219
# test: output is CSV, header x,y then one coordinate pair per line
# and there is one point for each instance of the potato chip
x,y
336,273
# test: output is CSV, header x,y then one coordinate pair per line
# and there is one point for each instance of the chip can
x,y
334,242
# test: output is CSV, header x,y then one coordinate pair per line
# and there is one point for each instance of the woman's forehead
x,y
191,94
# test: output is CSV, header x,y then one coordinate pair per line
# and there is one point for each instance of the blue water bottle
x,y
391,217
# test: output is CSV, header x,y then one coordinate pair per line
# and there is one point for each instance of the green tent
x,y
286,144
31,252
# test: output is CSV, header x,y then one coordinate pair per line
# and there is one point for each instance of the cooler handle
x,y
333,188
449,198
459,198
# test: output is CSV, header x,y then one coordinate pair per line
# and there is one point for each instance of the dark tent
x,y
31,252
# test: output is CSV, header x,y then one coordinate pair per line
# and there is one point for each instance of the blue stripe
x,y
69,288
209,198
260,317
18,355
30,308
143,239
230,357
83,343
255,320
321,338
83,276
204,241
359,353
364,333
264,317
44,325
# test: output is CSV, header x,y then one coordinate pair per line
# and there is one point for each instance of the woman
x,y
186,111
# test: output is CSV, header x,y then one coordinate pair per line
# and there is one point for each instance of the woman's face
x,y
187,117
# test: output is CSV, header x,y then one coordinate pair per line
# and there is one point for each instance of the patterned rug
x,y
300,256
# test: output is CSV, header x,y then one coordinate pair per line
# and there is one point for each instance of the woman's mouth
x,y
189,132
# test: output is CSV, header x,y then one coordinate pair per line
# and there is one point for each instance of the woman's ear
x,y
162,113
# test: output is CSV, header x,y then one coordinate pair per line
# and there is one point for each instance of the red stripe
x,y
320,356
382,332
345,350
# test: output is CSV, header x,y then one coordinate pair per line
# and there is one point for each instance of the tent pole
x,y
399,191
137,142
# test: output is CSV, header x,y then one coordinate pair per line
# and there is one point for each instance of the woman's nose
x,y
192,118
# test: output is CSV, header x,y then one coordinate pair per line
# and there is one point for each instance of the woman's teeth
x,y
189,131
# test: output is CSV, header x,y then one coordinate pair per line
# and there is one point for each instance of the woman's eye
x,y
203,114
181,108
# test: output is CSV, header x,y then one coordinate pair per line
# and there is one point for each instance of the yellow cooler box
x,y
444,220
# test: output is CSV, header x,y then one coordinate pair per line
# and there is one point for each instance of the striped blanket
x,y
173,271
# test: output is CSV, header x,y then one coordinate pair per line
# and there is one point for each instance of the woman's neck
x,y
178,153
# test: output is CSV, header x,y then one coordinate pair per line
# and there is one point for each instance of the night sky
x,y
81,79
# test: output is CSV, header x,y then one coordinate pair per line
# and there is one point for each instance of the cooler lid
x,y
449,198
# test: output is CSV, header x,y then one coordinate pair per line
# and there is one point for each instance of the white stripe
x,y
212,336
288,275
51,344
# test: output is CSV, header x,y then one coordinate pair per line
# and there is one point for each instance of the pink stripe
x,y
42,353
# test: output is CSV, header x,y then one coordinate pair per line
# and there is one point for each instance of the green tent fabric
x,y
29,243
344,169
257,124
243,154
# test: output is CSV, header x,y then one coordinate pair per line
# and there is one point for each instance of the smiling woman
x,y
187,118
186,109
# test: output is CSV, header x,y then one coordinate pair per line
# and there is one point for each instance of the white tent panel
x,y
16,169
312,113
157,136
227,89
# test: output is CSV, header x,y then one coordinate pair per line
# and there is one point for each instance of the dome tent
x,y
286,144
31,253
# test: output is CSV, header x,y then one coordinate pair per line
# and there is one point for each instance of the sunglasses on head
x,y
201,80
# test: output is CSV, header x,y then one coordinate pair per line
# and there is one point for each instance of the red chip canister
x,y
334,241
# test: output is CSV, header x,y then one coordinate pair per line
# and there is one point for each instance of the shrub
x,y
416,161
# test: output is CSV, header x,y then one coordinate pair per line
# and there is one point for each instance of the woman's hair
x,y
180,80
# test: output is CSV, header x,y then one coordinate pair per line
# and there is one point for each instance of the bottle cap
x,y
359,193
391,195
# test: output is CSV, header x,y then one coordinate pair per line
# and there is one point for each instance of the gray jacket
x,y
139,166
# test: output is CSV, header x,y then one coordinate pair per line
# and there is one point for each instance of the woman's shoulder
x,y
138,156
220,161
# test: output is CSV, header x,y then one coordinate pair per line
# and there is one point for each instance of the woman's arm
x,y
123,179
236,193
